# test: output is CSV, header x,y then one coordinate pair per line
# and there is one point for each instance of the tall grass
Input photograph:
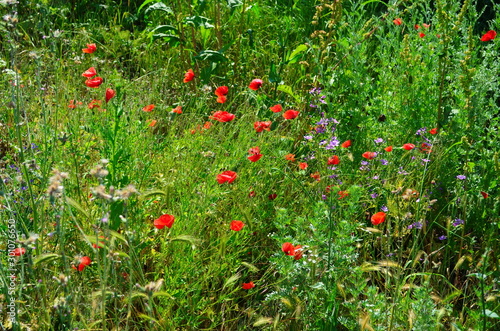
x,y
402,238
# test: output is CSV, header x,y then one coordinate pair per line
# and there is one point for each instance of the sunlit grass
x,y
174,194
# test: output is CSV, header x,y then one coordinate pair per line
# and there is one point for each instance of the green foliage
x,y
83,179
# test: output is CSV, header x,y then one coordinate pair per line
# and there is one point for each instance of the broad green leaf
x,y
296,54
212,56
198,21
288,90
144,4
159,6
490,314
164,28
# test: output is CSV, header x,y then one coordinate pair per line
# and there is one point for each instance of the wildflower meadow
x,y
249,165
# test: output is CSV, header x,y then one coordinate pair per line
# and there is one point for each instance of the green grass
x,y
90,182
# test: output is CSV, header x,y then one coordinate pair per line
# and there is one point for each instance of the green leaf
x,y
45,258
144,4
165,28
370,1
159,6
490,314
296,54
168,37
198,21
78,207
212,56
273,75
118,236
234,3
288,90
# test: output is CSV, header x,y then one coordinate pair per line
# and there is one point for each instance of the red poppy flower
x,y
237,225
276,108
90,72
290,114
18,251
91,48
298,252
84,262
152,123
94,82
164,220
369,155
255,84
272,196
378,218
177,110
254,150
72,104
388,149
290,157
316,176
303,165
226,177
417,26
346,144
148,108
421,34
221,99
221,91
255,157
433,131
334,160
254,154
222,116
207,125
261,126
248,286
342,194
251,194
488,36
408,147
110,94
426,25
94,104
288,249
485,195
188,76
426,148
398,21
